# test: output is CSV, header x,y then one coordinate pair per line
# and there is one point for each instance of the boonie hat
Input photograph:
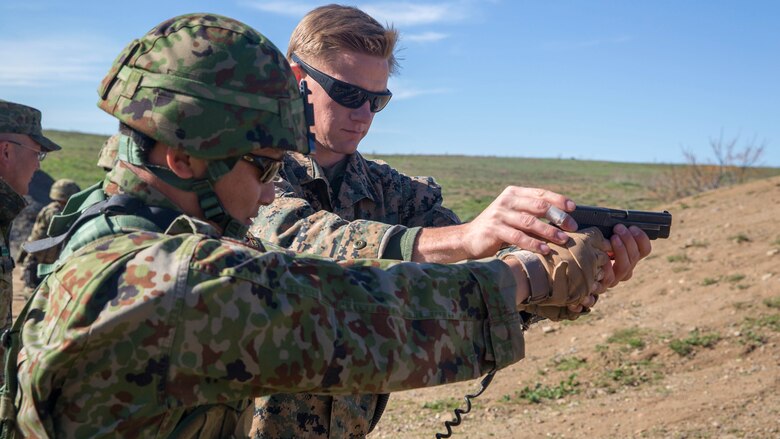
x,y
21,119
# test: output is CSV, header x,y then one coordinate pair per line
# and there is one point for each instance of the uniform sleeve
x,y
424,208
256,323
292,223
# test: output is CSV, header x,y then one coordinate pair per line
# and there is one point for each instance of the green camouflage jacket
x,y
12,203
310,215
134,330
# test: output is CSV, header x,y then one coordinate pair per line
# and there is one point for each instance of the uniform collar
x,y
355,185
12,203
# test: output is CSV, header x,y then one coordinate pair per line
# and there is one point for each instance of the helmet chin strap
x,y
203,188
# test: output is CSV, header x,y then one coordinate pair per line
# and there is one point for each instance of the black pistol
x,y
655,224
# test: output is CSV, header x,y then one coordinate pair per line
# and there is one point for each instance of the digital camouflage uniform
x,y
136,329
309,215
15,119
12,203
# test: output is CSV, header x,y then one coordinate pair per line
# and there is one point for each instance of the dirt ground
x,y
711,292
713,288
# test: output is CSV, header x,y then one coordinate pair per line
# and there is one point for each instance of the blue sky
x,y
606,80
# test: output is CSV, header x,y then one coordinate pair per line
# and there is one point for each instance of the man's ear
x,y
298,71
5,151
181,163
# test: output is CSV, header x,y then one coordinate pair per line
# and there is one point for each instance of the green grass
x,y
568,363
740,238
540,392
632,338
686,346
77,159
469,183
709,281
773,302
441,405
678,258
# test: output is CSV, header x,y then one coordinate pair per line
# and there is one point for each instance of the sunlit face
x,y
240,190
20,161
338,130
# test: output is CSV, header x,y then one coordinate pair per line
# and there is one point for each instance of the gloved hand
x,y
565,276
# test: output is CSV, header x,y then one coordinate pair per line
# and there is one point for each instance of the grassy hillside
x,y
77,159
469,183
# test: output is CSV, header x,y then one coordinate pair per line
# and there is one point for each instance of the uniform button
x,y
360,244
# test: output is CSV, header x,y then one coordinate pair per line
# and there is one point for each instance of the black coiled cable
x,y
458,412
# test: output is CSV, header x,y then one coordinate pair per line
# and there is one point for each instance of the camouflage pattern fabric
x,y
133,330
374,201
12,203
21,119
165,88
108,152
39,231
369,190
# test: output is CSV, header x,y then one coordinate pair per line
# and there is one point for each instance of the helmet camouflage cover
x,y
63,189
209,84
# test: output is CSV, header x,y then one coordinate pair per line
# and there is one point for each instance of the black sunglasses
x,y
344,93
269,168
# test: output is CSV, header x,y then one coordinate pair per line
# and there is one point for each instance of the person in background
x,y
59,193
22,147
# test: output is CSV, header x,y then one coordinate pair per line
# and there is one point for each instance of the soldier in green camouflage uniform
x,y
338,204
22,146
152,325
59,193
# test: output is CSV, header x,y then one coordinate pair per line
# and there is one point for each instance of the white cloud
x,y
48,62
398,14
290,8
414,14
404,93
425,37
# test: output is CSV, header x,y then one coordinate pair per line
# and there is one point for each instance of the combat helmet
x,y
63,189
213,86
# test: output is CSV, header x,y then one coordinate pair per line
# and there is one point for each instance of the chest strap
x,y
121,204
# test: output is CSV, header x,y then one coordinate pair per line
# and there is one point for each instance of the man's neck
x,y
326,158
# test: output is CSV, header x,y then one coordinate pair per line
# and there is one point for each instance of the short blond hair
x,y
329,29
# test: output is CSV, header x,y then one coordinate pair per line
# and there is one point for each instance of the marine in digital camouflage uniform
x,y
21,139
60,191
152,327
338,204
355,208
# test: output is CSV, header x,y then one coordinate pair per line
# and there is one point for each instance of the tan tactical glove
x,y
566,275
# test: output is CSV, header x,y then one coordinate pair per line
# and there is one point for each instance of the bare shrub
x,y
732,164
